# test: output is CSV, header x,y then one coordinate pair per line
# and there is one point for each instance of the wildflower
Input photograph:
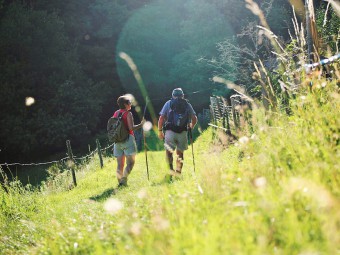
x,y
113,206
243,140
160,223
240,204
135,229
142,194
253,137
260,182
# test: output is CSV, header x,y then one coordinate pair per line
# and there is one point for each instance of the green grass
x,y
274,192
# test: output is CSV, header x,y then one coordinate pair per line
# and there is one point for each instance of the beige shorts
x,y
127,148
176,140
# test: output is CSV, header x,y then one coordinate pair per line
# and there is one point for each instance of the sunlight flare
x,y
147,126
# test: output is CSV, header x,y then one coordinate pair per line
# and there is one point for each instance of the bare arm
x,y
193,121
160,126
161,122
131,125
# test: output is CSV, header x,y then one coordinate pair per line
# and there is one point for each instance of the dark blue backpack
x,y
178,115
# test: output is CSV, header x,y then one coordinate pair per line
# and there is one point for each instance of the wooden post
x,y
70,155
99,154
236,115
309,33
226,114
212,114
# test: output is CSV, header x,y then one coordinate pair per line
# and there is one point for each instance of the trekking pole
x,y
145,146
192,148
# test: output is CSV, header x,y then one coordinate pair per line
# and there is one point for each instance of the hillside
x,y
276,191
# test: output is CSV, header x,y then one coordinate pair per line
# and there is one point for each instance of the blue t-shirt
x,y
166,108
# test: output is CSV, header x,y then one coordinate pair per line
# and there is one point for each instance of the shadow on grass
x,y
167,180
106,194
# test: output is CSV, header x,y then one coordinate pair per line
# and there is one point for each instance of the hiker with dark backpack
x,y
120,130
176,117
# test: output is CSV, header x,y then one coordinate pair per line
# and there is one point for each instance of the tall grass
x,y
275,192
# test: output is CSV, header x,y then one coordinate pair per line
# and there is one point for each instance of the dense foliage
x,y
38,60
271,188
167,41
64,55
61,53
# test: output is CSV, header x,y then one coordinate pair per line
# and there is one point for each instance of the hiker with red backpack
x,y
125,148
176,117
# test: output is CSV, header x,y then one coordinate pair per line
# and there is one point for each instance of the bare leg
x,y
169,159
179,161
130,162
120,167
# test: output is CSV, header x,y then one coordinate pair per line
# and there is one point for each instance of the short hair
x,y
122,100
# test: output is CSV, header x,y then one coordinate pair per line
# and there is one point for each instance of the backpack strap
x,y
120,117
121,114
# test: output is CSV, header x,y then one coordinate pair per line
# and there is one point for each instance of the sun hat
x,y
177,92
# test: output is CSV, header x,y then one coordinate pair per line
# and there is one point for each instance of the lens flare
x,y
147,126
131,98
29,101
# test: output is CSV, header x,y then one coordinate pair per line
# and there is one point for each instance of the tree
x,y
328,28
249,45
39,61
167,40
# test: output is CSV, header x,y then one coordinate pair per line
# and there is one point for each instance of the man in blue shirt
x,y
176,117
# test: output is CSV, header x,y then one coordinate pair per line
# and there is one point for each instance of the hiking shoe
x,y
122,183
175,173
168,178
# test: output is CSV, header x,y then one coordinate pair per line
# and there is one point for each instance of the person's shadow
x,y
106,194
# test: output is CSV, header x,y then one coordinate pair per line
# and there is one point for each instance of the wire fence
x,y
62,160
227,114
70,161
230,114
224,114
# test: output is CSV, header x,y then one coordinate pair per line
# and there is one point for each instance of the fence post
x,y
236,115
226,115
99,154
70,155
212,114
221,111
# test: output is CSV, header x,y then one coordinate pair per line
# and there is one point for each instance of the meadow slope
x,y
275,191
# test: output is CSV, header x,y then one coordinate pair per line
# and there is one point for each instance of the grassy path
x,y
274,192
